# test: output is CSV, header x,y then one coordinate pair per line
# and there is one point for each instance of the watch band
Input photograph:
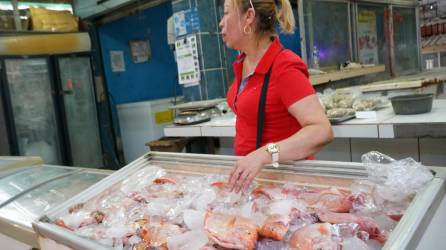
x,y
274,150
275,159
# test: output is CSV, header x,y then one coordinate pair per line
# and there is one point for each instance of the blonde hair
x,y
268,14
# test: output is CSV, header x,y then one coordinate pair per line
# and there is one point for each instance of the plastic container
x,y
412,104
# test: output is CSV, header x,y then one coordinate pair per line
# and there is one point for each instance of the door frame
x,y
60,110
3,117
7,110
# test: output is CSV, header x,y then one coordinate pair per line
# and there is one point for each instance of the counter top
x,y
385,125
345,74
437,115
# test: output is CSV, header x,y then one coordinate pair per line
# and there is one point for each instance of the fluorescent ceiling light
x,y
25,5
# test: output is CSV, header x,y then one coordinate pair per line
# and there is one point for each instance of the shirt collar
x,y
269,56
264,63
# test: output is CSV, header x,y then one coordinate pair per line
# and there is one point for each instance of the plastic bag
x,y
194,219
204,198
137,181
390,186
354,243
269,244
341,99
363,103
396,180
190,240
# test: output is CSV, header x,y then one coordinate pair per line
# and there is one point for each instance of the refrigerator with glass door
x,y
50,109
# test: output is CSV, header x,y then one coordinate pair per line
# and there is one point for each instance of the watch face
x,y
273,148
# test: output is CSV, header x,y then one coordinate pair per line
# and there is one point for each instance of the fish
x,y
275,227
314,237
365,223
156,234
331,199
231,231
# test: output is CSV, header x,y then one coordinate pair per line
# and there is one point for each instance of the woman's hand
x,y
246,169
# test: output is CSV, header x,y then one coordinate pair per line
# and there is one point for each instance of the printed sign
x,y
186,22
117,60
187,59
367,37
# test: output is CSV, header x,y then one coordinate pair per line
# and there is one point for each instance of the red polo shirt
x,y
288,84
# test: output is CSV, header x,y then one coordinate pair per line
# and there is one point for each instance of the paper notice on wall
x,y
179,23
187,60
186,22
117,60
140,50
367,37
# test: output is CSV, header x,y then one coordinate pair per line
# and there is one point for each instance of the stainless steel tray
x,y
337,120
405,236
198,104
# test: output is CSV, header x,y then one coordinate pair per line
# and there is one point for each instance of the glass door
x,y
77,86
33,110
405,40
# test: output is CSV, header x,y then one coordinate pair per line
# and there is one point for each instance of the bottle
x,y
315,57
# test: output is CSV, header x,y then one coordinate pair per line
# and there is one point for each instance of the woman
x,y
294,125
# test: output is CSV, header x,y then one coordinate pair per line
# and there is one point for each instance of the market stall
x,y
162,171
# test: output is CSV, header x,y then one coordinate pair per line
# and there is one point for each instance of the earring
x,y
247,30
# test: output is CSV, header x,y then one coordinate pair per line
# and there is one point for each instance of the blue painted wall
x,y
291,41
144,81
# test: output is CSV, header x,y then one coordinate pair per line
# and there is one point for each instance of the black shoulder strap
x,y
262,102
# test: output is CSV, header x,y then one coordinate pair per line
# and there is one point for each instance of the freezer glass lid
x,y
17,183
33,204
4,162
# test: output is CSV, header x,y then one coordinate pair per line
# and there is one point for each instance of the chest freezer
x,y
28,193
11,163
405,235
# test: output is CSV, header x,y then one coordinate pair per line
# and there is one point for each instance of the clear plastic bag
x,y
396,180
137,181
340,100
390,186
190,240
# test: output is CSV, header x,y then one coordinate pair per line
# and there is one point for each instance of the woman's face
x,y
230,26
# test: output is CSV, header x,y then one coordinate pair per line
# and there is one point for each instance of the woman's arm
x,y
314,134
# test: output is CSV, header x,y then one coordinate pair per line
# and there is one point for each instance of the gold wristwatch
x,y
274,150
